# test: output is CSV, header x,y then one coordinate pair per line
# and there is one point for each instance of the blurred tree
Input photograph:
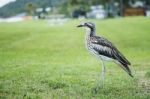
x,y
70,5
63,6
30,7
19,6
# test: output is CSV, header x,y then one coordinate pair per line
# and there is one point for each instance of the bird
x,y
103,49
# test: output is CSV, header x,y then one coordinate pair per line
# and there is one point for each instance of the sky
x,y
4,2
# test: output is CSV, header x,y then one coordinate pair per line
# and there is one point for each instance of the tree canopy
x,y
62,6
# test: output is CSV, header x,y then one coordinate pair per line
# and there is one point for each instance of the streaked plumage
x,y
104,49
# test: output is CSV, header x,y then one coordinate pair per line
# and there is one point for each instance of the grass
x,y
39,61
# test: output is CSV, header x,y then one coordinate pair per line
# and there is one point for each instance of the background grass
x,y
50,62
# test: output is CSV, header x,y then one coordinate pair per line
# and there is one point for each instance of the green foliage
x,y
63,6
84,5
147,74
30,7
19,6
39,61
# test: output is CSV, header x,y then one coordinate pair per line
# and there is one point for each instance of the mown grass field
x,y
39,61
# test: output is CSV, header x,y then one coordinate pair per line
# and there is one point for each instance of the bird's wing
x,y
106,48
103,46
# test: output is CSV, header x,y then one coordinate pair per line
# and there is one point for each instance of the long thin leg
x,y
101,81
103,73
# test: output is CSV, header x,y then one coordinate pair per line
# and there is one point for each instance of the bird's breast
x,y
88,43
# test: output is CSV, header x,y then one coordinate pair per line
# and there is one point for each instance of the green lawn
x,y
39,61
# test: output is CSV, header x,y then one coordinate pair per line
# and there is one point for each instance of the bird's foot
x,y
96,89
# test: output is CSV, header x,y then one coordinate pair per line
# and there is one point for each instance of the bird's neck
x,y
90,32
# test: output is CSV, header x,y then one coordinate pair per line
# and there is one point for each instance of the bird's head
x,y
87,25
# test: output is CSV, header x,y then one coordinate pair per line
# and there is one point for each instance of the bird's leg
x,y
101,81
103,73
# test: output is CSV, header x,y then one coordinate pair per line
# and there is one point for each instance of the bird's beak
x,y
81,25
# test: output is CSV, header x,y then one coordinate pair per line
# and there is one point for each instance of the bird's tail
x,y
125,68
